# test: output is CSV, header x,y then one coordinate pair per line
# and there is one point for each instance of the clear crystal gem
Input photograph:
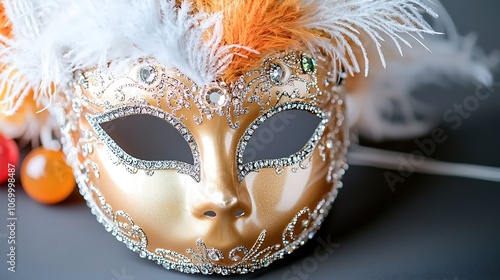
x,y
276,73
305,223
310,235
83,81
214,254
216,97
308,64
147,74
329,144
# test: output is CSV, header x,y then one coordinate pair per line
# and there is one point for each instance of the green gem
x,y
308,64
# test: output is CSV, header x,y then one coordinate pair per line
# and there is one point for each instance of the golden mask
x,y
195,177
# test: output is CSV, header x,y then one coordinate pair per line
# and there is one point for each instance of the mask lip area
x,y
125,158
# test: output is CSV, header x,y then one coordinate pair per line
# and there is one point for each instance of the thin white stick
x,y
365,156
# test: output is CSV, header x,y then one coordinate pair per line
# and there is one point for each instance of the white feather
x,y
346,21
389,91
53,38
80,34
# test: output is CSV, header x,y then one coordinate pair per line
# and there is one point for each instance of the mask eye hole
x,y
284,136
146,138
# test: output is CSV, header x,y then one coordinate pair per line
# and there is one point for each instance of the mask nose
x,y
221,197
226,203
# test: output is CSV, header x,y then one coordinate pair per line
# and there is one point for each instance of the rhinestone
x,y
83,81
305,223
204,270
147,74
326,82
329,144
276,73
308,64
214,255
216,97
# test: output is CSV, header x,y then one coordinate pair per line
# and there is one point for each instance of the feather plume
x,y
346,22
26,124
53,38
214,39
262,25
337,27
389,92
80,34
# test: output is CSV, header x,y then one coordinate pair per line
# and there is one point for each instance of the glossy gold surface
x,y
170,207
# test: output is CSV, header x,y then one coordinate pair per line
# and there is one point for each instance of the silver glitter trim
x,y
304,153
203,259
184,168
181,92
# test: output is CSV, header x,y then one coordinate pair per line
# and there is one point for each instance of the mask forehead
x,y
276,79
281,81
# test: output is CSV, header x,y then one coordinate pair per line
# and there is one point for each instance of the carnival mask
x,y
209,137
194,176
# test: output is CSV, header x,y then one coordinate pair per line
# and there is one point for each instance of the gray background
x,y
429,227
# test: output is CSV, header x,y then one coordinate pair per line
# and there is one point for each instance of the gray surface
x,y
429,227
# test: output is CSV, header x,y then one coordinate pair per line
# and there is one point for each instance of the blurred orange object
x,y
9,158
25,122
46,177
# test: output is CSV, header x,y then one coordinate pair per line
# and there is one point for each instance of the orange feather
x,y
263,25
5,28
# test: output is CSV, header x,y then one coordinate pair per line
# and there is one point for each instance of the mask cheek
x,y
157,203
154,201
279,197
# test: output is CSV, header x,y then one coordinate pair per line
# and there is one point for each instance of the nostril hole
x,y
210,214
240,213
